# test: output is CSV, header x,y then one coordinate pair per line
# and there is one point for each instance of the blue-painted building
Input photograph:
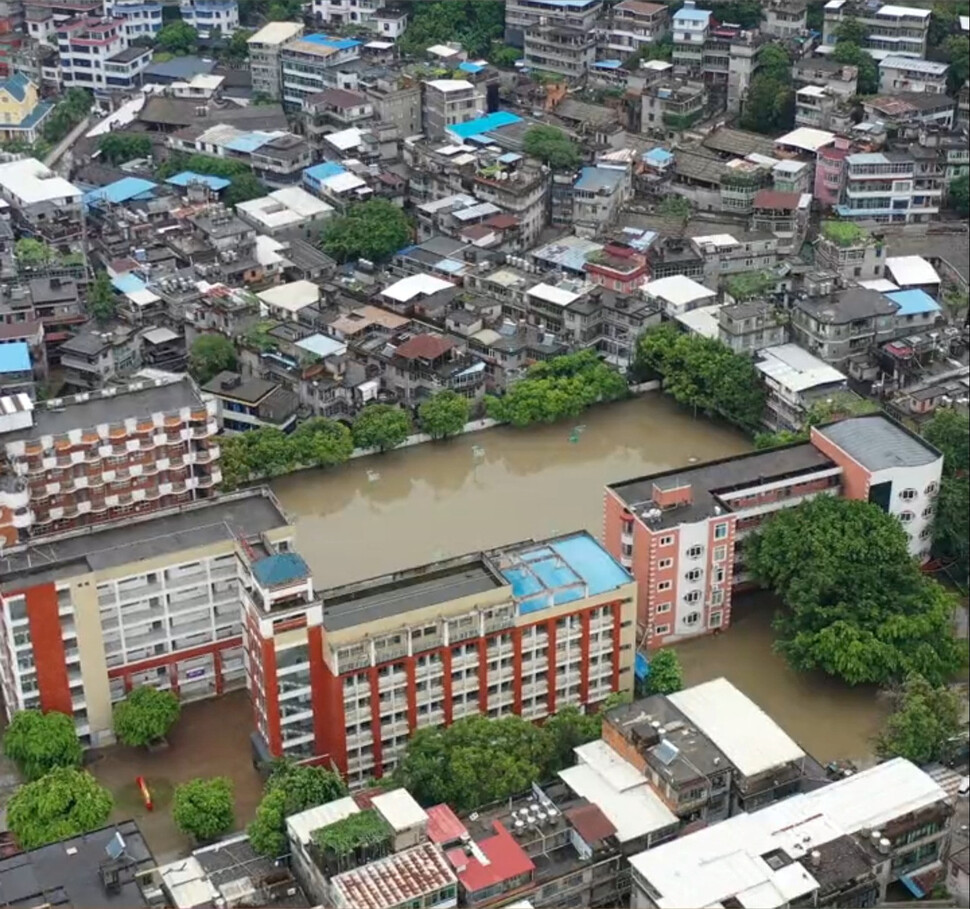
x,y
210,18
143,18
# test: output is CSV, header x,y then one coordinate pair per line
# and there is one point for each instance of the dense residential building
x,y
749,327
785,18
522,15
674,104
859,256
22,113
309,64
210,18
264,55
678,531
246,404
840,845
95,54
98,456
890,30
43,203
839,78
815,106
886,187
906,74
691,27
633,25
143,18
157,602
564,50
794,380
449,102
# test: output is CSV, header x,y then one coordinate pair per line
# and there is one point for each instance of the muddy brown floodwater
x,y
405,508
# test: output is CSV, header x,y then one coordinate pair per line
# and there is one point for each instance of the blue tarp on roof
x,y
692,15
913,302
912,886
279,569
14,357
659,156
249,142
123,190
330,41
216,184
641,668
467,67
608,64
320,172
484,124
594,179
128,283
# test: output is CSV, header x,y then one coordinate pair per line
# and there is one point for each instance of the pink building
x,y
830,172
677,532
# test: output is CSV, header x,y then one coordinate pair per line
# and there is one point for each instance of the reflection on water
x,y
406,507
829,720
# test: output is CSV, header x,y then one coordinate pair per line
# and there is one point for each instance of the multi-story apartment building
x,y
92,358
633,25
890,30
521,15
690,27
396,98
559,49
143,18
526,629
43,16
830,170
839,845
908,74
210,18
674,104
785,18
814,106
155,602
306,63
264,55
851,252
751,326
42,202
678,531
890,187
99,456
95,55
794,381
598,195
355,13
448,102
837,77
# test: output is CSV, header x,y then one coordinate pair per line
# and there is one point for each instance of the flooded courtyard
x,y
386,513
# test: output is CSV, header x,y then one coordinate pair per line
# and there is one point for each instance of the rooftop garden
x,y
749,284
844,233
365,831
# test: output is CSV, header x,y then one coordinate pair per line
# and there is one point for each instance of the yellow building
x,y
21,110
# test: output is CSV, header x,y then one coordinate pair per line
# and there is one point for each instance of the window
x,y
717,597
627,526
667,541
925,533
665,563
908,495
695,552
662,608
906,516
662,586
692,618
692,597
931,488
928,511
695,574
714,621
662,630
720,531
720,553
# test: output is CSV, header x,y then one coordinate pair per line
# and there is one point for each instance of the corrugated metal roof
x,y
879,444
396,880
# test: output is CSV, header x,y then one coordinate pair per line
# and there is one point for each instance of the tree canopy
x,y
209,355
746,13
851,54
145,716
665,675
101,300
61,804
445,414
702,373
39,742
243,184
177,37
856,604
119,147
381,426
770,104
949,431
70,110
924,724
475,24
553,147
203,808
960,195
851,30
558,388
373,230
290,789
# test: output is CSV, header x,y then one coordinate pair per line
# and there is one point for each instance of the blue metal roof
x,y
34,117
641,668
320,172
280,568
467,67
14,357
658,156
249,142
123,190
16,86
128,283
330,41
608,64
594,179
913,302
216,184
484,124
692,15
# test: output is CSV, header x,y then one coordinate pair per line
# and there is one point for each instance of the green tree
x,y
209,355
748,285
38,742
381,426
568,729
504,55
237,48
775,63
322,442
61,804
33,253
101,300
949,431
445,414
956,51
924,724
290,789
558,388
242,188
72,108
203,808
145,716
474,24
373,230
666,675
960,195
769,107
703,374
118,147
177,38
856,605
661,49
553,147
851,54
674,207
852,31
746,13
